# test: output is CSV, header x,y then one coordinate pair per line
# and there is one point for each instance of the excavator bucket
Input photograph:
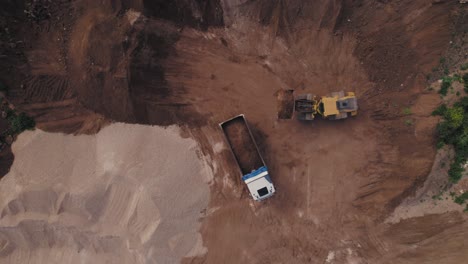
x,y
285,103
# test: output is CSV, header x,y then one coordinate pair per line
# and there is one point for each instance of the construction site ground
x,y
91,63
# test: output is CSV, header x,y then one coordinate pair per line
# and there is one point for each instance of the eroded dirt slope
x,y
199,63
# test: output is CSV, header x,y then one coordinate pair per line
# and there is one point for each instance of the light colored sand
x,y
130,194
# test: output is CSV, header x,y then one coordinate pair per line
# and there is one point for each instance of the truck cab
x,y
259,184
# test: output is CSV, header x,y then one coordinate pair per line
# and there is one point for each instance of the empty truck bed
x,y
242,144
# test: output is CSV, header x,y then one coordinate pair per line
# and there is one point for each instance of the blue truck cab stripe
x,y
254,173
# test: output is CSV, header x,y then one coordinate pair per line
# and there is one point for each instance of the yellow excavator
x,y
337,105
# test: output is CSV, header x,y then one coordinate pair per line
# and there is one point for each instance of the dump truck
x,y
252,168
337,105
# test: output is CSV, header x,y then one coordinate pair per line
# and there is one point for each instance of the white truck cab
x,y
259,184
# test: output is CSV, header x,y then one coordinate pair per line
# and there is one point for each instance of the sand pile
x,y
129,194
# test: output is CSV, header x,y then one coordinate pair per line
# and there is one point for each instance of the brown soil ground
x,y
199,63
285,104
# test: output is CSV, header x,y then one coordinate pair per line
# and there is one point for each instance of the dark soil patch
x,y
6,160
200,13
285,104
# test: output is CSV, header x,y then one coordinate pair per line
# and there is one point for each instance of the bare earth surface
x,y
125,195
353,191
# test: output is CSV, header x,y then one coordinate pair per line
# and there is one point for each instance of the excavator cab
x,y
339,105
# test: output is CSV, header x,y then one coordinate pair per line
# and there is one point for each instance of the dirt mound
x,y
92,201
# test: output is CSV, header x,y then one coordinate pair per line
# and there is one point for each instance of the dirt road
x,y
197,65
